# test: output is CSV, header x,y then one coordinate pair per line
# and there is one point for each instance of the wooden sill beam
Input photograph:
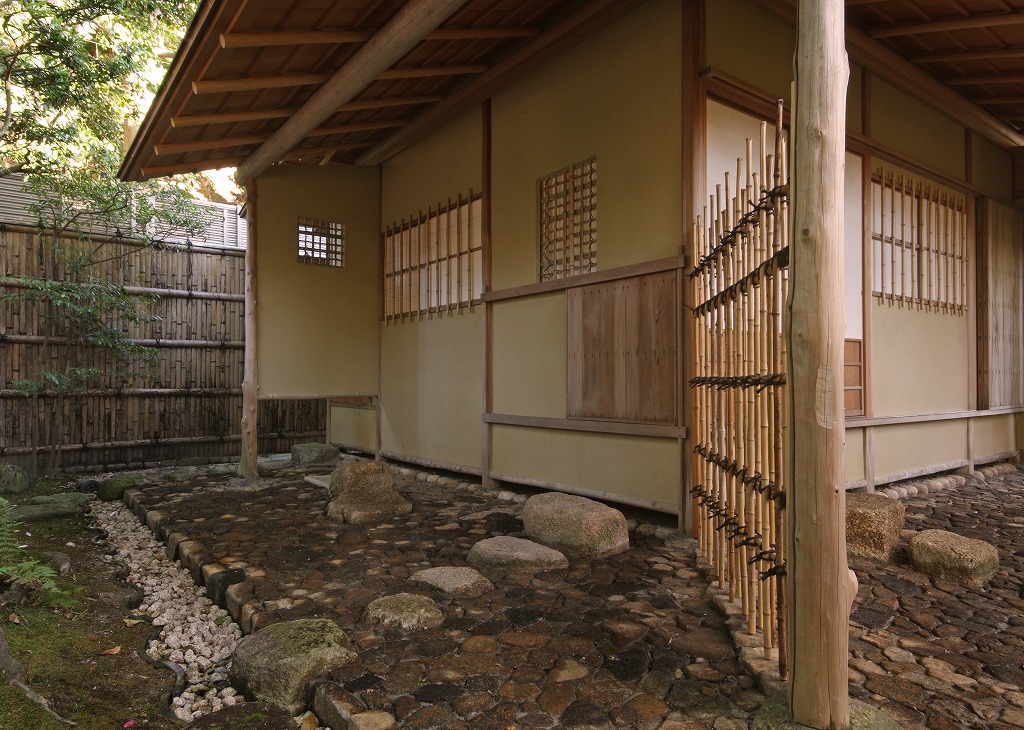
x,y
523,60
226,142
256,83
328,37
976,55
951,24
399,36
200,120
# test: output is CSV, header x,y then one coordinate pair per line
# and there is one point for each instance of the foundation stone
x,y
364,492
953,557
873,524
307,455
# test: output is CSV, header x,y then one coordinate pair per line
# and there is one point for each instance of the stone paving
x,y
935,654
631,640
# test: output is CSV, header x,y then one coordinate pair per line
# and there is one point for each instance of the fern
x,y
23,571
8,538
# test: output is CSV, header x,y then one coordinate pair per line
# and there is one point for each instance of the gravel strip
x,y
195,633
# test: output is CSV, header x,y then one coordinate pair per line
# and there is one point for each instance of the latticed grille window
x,y
568,221
321,242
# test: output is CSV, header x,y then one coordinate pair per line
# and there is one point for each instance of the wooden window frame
x,y
567,221
321,242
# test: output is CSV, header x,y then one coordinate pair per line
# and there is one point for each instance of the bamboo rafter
x,y
740,285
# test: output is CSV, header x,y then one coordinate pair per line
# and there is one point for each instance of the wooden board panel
x,y
853,377
1000,299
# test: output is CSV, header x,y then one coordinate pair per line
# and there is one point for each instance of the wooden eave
x,y
246,66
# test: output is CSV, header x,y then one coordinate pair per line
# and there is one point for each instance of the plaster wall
x,y
529,356
854,454
353,427
616,96
991,169
316,325
908,446
640,467
994,435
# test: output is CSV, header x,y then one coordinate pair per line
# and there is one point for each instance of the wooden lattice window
x,y
433,262
853,377
321,242
568,221
919,244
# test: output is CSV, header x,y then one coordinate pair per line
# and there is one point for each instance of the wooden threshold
x,y
625,428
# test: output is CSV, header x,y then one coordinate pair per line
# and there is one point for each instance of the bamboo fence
x,y
187,406
741,284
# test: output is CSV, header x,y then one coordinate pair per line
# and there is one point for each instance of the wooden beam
x,y
201,120
256,83
180,148
292,38
383,103
299,152
487,354
817,576
427,71
556,39
250,379
1005,78
951,24
405,29
332,37
973,55
180,168
357,127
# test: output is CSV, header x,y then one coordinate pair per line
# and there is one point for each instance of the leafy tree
x,y
73,74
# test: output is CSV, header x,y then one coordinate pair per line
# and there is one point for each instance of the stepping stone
x,y
405,611
956,558
457,581
50,506
873,524
515,553
364,492
307,455
112,488
275,663
578,527
13,479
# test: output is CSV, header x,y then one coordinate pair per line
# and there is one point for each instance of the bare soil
x,y
84,658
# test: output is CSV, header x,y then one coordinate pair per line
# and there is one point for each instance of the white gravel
x,y
195,633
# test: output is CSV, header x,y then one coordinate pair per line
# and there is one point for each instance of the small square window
x,y
321,242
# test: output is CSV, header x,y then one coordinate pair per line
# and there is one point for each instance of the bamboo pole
x,y
817,572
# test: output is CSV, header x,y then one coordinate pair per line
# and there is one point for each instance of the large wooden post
x,y
250,449
817,573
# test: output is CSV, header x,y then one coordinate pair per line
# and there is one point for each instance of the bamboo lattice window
x,y
918,244
568,221
433,262
321,242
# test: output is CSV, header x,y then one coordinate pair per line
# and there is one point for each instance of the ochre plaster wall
x,y
992,169
639,467
316,325
914,445
432,388
747,42
919,362
854,454
994,435
616,96
354,427
529,356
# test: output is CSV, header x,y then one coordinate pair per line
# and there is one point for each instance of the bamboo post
x,y
247,464
817,571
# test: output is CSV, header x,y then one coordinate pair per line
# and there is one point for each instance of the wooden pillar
x,y
818,578
250,447
488,315
694,157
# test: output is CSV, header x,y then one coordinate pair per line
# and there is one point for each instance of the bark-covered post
x,y
818,577
250,448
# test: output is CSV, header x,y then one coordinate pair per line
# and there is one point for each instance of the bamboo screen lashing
x,y
568,221
740,283
918,244
433,262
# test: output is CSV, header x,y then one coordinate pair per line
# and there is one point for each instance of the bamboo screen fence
x,y
188,406
740,286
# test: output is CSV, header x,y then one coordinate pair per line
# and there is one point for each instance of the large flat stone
x,y
459,581
515,553
873,524
276,663
953,557
577,527
307,455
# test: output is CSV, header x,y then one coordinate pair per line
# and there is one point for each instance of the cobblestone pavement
x,y
935,654
626,641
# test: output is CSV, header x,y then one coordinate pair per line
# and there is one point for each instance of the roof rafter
x,y
332,37
951,24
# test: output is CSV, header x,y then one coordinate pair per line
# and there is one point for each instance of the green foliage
x,y
21,571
